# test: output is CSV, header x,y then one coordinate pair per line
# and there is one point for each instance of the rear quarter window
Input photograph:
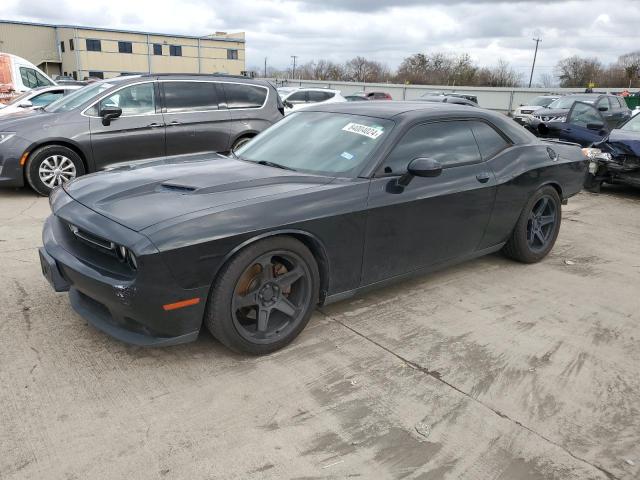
x,y
490,142
244,96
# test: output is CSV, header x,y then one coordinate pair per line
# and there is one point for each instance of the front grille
x,y
526,112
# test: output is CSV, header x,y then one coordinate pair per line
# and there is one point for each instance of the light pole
x,y
265,67
293,73
537,40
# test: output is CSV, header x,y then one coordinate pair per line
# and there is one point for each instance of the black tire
x,y
233,325
525,246
240,142
52,154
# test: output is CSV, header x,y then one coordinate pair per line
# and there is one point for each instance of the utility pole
x,y
265,67
293,74
537,40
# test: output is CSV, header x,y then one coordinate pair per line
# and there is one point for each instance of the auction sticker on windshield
x,y
371,132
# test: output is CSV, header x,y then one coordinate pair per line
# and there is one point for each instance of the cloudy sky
x,y
384,30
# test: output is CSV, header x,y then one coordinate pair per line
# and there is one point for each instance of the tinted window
x,y
157,49
175,50
583,114
449,143
125,47
189,96
94,45
603,102
244,96
96,74
298,97
232,54
134,100
319,96
46,98
32,78
489,141
71,45
62,48
621,102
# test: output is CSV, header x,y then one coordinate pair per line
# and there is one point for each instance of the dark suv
x,y
133,118
613,108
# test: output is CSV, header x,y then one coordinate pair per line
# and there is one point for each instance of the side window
x,y
244,96
298,97
489,141
125,47
582,114
189,96
45,99
620,101
603,103
133,100
450,143
42,80
318,96
28,76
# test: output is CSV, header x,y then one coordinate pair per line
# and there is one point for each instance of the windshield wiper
x,y
276,165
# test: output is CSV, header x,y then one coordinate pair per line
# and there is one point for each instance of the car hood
x,y
15,121
625,141
139,196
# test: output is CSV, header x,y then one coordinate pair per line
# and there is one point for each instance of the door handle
x,y
156,125
483,177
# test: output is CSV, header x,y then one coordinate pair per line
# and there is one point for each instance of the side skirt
x,y
415,273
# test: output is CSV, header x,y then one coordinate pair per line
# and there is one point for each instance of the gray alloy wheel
x,y
241,142
536,231
51,166
264,296
56,170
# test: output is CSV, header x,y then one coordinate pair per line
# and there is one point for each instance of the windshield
x,y
79,97
567,102
542,101
319,142
632,125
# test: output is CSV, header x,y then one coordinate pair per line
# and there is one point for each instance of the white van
x,y
18,75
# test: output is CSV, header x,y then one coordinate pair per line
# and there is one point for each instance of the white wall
x,y
493,98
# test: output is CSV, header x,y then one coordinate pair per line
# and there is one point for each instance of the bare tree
x,y
578,72
630,62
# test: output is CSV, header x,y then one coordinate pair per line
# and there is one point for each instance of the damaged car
x,y
616,158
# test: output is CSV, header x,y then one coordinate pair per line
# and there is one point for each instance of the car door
x,y
136,135
246,104
431,220
584,125
195,121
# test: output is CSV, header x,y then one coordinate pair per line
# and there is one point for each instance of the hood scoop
x,y
172,187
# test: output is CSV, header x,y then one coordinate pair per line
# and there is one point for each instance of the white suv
x,y
522,114
303,97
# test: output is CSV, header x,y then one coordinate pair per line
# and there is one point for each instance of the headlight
x,y
596,153
4,136
126,255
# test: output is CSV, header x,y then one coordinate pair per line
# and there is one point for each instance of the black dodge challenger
x,y
328,202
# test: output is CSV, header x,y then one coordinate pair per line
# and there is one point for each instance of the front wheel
x,y
51,166
264,297
537,227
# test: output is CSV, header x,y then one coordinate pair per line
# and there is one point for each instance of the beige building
x,y
82,52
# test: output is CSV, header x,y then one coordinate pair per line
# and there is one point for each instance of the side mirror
x,y
288,104
420,167
597,126
108,114
26,104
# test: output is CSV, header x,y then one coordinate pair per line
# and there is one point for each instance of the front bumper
x,y
129,309
11,173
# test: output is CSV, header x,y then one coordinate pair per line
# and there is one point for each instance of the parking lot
x,y
488,370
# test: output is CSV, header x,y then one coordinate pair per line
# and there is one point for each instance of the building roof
x,y
101,29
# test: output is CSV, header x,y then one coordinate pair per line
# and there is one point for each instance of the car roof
x,y
313,89
410,112
187,76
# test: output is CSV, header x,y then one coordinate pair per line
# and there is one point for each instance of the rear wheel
x,y
239,143
51,166
264,297
537,228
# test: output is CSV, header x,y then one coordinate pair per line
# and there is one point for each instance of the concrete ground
x,y
489,370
